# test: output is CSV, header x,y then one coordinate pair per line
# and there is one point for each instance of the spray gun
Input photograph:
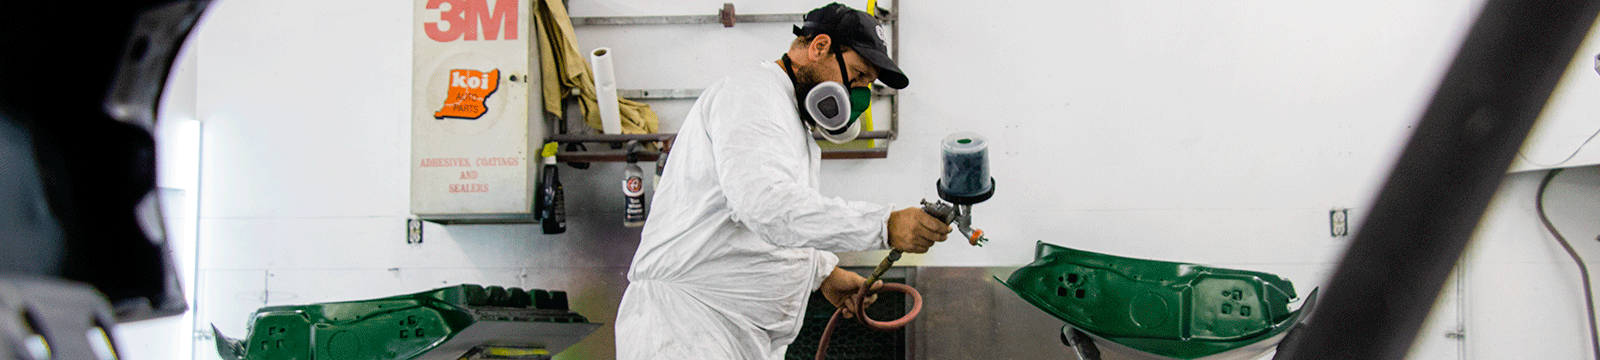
x,y
965,181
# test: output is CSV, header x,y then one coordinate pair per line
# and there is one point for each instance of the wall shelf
x,y
611,151
617,155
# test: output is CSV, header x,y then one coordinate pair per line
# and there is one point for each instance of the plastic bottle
x,y
661,166
633,190
552,212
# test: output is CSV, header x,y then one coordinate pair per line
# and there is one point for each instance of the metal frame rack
x,y
727,18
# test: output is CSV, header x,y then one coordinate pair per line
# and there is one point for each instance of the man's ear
x,y
820,46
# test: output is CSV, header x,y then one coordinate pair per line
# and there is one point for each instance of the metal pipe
x,y
894,102
1424,216
877,153
622,138
875,134
685,19
622,155
604,156
671,94
658,94
618,138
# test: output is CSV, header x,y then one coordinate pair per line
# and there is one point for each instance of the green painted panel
x,y
1171,309
464,321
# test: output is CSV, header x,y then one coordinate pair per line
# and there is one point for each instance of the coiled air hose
x,y
943,212
861,311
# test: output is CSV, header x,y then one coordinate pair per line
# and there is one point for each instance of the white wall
x,y
1524,293
1568,123
1217,132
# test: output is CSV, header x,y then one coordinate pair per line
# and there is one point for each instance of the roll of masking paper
x,y
605,88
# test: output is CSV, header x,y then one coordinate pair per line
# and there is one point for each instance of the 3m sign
x,y
463,19
476,118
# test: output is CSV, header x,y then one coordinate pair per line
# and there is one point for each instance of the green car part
x,y
451,323
1170,309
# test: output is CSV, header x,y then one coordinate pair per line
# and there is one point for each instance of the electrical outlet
x,y
1339,222
1597,63
413,231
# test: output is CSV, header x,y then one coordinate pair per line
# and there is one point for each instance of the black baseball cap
x,y
858,30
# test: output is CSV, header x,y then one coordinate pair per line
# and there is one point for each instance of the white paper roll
x,y
605,87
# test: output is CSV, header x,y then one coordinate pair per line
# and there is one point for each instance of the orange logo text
x,y
468,89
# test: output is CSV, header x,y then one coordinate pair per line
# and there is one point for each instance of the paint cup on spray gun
x,y
965,180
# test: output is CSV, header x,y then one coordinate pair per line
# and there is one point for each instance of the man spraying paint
x,y
740,234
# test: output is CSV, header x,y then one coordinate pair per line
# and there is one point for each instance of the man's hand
x,y
914,231
841,285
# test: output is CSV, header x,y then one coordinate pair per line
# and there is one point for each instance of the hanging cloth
x,y
563,68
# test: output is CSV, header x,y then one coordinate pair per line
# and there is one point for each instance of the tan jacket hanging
x,y
563,68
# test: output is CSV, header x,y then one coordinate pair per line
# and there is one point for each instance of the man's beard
x,y
807,77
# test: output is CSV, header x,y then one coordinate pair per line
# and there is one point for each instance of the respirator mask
x,y
834,109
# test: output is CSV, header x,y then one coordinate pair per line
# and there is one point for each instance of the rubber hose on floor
x,y
861,313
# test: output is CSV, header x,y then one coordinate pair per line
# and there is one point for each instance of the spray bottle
x,y
661,167
633,189
551,207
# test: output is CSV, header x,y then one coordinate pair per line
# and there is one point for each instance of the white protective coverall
x,y
739,235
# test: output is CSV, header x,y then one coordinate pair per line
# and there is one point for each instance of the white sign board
x,y
474,132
